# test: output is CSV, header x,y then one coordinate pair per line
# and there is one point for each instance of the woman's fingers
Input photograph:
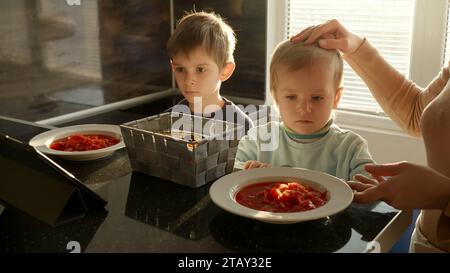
x,y
371,194
358,186
322,29
369,190
340,44
385,169
379,178
302,35
365,180
328,36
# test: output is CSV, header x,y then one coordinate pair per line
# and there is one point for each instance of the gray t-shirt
x,y
230,112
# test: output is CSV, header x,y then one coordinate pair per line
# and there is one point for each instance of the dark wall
x,y
133,36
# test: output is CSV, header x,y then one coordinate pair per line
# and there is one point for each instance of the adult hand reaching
x,y
330,35
409,186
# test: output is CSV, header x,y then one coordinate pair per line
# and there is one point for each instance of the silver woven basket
x,y
185,149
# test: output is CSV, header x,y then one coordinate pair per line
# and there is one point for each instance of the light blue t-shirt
x,y
341,153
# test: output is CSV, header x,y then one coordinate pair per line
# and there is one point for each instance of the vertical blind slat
x,y
447,40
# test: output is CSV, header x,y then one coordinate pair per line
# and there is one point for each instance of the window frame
x,y
427,55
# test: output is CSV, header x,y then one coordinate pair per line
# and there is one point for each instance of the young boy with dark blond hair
x,y
201,51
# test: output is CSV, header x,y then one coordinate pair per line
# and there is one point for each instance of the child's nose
x,y
190,79
304,106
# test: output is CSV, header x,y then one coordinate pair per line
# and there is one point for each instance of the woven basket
x,y
193,154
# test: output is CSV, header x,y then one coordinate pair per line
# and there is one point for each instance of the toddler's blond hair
x,y
295,56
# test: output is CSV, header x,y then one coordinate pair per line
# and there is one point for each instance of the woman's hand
x,y
255,164
409,186
330,35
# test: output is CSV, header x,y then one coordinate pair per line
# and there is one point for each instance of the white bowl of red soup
x,y
281,195
80,142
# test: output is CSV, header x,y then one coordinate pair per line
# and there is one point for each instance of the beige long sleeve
x,y
401,99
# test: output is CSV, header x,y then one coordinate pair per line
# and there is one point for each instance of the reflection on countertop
x,y
185,212
146,214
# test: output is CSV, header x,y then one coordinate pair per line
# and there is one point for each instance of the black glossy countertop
x,y
147,214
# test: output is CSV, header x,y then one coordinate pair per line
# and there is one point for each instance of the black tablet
x,y
33,183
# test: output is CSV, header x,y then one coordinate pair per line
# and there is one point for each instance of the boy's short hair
x,y
205,29
295,56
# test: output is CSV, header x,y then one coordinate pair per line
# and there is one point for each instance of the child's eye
x,y
201,69
317,98
179,69
291,97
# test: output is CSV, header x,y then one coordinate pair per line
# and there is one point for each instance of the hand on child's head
x,y
251,164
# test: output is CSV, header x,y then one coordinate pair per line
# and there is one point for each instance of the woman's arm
x,y
435,126
399,97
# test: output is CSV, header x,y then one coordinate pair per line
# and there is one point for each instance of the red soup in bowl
x,y
81,142
281,197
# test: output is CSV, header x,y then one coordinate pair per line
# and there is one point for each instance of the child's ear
x,y
227,71
274,97
337,97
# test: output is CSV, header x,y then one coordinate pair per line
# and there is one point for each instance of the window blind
x,y
447,39
387,24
